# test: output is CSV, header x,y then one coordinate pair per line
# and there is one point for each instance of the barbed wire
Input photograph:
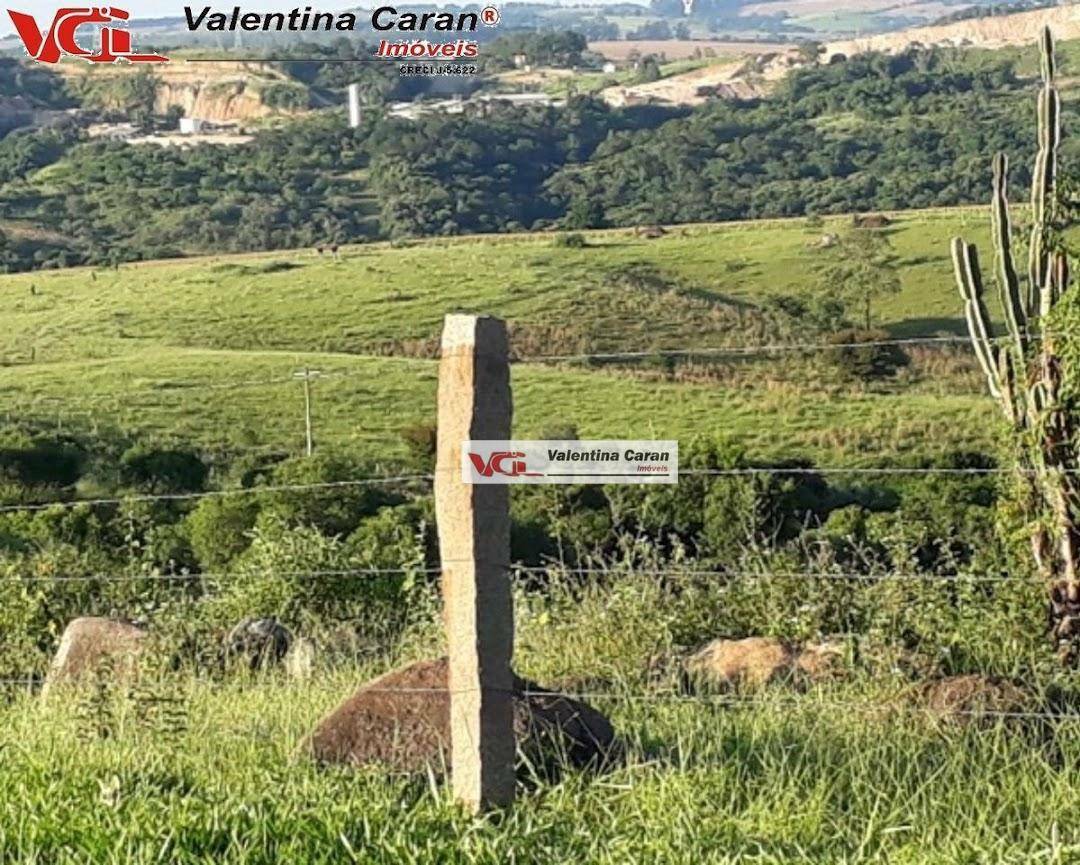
x,y
169,497
748,471
165,385
866,470
788,703
547,570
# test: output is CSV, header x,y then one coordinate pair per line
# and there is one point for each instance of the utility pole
x,y
306,375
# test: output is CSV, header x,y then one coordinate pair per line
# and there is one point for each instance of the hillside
x,y
203,349
997,31
241,92
766,65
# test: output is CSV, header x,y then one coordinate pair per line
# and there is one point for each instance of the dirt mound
x,y
739,79
402,721
94,646
753,662
970,697
220,92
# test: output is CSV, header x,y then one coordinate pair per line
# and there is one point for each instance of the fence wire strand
x,y
533,570
729,701
170,497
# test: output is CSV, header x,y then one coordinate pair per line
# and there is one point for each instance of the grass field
x,y
843,773
777,784
618,293
200,352
203,349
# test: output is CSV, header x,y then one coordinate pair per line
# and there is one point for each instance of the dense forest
x,y
871,132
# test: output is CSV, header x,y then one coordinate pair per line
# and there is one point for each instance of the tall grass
x,y
777,783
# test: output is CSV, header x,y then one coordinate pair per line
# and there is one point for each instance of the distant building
x,y
609,68
191,125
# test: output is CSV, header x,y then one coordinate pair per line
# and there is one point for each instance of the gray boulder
x,y
258,643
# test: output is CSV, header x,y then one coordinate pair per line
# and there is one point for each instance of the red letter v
x,y
28,31
486,470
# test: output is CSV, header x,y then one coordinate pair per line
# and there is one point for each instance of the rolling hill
x,y
202,350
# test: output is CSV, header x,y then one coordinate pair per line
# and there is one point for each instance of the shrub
x,y
571,240
163,470
421,441
219,529
43,462
861,355
336,509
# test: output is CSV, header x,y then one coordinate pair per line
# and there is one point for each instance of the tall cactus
x,y
1023,371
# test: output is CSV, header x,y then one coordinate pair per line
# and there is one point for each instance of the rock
x,y
300,661
754,662
965,698
402,721
259,643
92,646
827,241
748,663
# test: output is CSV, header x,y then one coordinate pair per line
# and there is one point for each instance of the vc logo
x,y
497,464
49,46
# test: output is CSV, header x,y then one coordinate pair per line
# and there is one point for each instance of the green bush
x,y
219,529
332,506
570,240
860,354
163,470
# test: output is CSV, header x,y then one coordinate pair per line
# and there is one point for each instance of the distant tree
x,y
651,30
809,51
649,70
862,269
584,213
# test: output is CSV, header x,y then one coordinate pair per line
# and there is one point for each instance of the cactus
x,y
1023,372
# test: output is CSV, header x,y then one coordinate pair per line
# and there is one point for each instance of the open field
x,y
202,349
185,395
839,774
620,292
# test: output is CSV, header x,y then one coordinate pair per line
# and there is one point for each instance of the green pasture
x,y
619,292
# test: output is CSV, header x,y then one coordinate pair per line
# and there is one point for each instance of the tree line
x,y
870,132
